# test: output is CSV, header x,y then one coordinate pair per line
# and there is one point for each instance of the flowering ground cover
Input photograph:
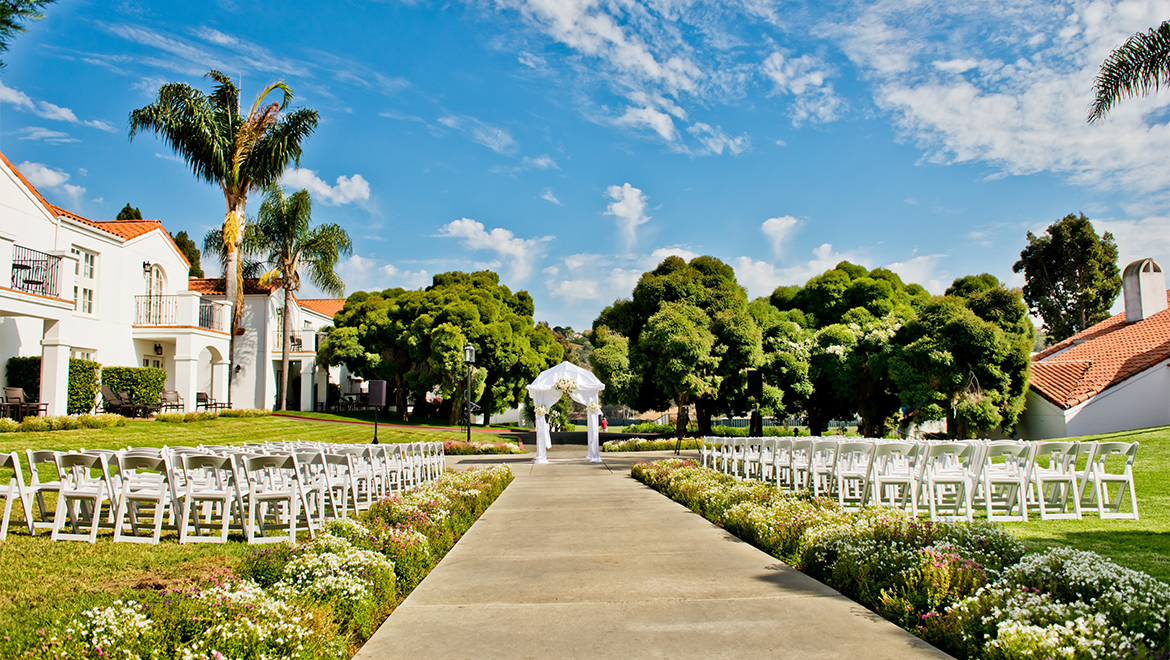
x,y
647,444
317,600
969,588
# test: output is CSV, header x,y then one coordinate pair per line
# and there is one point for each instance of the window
x,y
83,354
86,301
75,299
76,264
86,263
152,361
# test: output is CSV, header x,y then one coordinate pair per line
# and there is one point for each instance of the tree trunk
x,y
816,425
285,348
703,413
233,269
681,420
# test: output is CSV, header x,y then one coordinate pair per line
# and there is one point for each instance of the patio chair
x,y
111,402
24,406
16,489
170,400
203,400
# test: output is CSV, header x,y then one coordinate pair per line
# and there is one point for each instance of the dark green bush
x,y
144,384
25,372
266,565
83,385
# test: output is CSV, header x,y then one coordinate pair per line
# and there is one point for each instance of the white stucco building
x,y
1114,376
117,292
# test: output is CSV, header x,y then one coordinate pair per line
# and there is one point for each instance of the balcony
x,y
184,310
36,272
301,341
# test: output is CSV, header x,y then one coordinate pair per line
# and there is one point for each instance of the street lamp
x,y
469,360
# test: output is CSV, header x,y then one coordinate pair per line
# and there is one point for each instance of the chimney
x,y
1144,285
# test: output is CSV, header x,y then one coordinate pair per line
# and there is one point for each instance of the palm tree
x,y
240,153
287,241
13,12
1140,64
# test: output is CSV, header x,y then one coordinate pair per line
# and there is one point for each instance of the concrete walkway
x,y
581,561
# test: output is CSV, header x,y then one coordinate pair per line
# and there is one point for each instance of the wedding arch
x,y
581,386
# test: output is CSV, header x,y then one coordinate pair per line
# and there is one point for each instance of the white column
x,y
55,366
308,368
220,372
186,368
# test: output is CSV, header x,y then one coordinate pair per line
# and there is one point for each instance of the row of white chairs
x,y
206,491
1005,478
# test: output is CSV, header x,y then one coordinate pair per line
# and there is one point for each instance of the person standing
x,y
604,424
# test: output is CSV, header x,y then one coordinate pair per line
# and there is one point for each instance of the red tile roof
x,y
324,306
215,286
25,182
1084,365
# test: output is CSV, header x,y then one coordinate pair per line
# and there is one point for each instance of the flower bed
x,y
967,588
461,447
318,600
642,444
204,415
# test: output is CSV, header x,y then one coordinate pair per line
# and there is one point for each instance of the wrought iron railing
x,y
36,272
164,311
301,340
156,310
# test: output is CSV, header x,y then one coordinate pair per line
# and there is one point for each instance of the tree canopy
x,y
685,335
129,213
189,250
965,358
1071,276
415,339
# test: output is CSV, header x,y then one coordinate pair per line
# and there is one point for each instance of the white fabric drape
x,y
544,393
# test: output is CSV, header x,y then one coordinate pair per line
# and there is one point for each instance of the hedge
x,y
83,385
25,373
144,384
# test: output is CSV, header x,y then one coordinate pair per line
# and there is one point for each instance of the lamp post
x,y
469,360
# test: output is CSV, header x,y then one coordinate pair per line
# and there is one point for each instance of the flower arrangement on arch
x,y
565,385
542,411
594,407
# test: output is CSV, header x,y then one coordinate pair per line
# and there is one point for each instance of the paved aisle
x,y
580,561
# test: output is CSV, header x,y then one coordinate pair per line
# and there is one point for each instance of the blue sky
x,y
570,144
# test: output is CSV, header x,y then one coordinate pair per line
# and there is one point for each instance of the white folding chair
x,y
800,464
37,488
275,493
211,483
853,464
895,476
147,493
782,463
18,490
78,489
1102,478
823,466
1005,481
1052,483
948,479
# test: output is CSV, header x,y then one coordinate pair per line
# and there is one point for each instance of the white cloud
x,y
805,78
497,139
542,162
46,110
50,136
714,140
656,257
648,117
779,229
366,274
548,194
348,189
924,270
760,278
1013,92
520,253
46,179
629,207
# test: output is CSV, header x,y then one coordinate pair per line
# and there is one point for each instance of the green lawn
x,y
43,582
1142,544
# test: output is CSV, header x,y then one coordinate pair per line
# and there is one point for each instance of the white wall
x,y
1138,402
1041,419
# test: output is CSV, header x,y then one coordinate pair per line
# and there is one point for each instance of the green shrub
x,y
144,384
642,444
83,385
246,412
8,425
650,427
266,565
35,425
179,418
25,373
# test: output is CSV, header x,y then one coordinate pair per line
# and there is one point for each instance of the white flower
x,y
594,407
541,411
566,385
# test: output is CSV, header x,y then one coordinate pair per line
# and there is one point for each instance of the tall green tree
x,y
706,284
965,358
189,250
13,13
1071,276
415,339
238,152
678,347
286,240
129,213
1139,65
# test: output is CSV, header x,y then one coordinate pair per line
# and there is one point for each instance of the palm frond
x,y
1140,64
